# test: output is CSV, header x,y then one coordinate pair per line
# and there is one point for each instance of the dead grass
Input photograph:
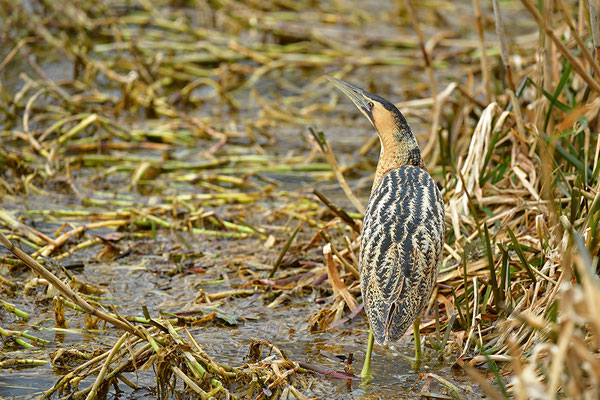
x,y
103,123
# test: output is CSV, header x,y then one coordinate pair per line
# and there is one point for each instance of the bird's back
x,y
401,249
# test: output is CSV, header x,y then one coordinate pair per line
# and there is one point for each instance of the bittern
x,y
403,227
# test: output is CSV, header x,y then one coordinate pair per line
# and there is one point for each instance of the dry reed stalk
x,y
594,7
331,160
472,165
574,62
336,282
94,389
432,145
32,234
589,57
581,16
485,74
63,288
412,16
503,45
548,59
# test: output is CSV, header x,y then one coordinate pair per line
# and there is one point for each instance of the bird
x,y
403,228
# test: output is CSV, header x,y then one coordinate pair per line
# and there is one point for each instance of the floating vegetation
x,y
189,192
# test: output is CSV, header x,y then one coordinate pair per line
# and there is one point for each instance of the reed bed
x,y
518,286
130,123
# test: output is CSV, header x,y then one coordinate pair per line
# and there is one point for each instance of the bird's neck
x,y
398,148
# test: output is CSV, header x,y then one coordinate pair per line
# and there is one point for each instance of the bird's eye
x,y
371,105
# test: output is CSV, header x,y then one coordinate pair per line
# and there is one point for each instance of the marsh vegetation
x,y
190,190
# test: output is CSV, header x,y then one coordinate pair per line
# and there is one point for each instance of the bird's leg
x,y
417,332
366,370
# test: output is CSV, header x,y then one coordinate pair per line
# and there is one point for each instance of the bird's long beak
x,y
355,94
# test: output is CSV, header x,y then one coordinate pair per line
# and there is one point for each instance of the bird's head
x,y
398,144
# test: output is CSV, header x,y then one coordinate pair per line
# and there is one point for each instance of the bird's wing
x,y
400,250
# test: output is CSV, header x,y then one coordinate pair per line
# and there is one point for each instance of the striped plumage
x,y
403,227
401,249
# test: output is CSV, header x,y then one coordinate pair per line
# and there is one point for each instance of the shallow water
x,y
139,280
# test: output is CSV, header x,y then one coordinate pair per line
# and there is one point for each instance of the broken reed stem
x,y
21,342
287,245
592,83
32,338
94,390
340,212
63,288
7,283
503,46
62,239
32,234
11,308
191,384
